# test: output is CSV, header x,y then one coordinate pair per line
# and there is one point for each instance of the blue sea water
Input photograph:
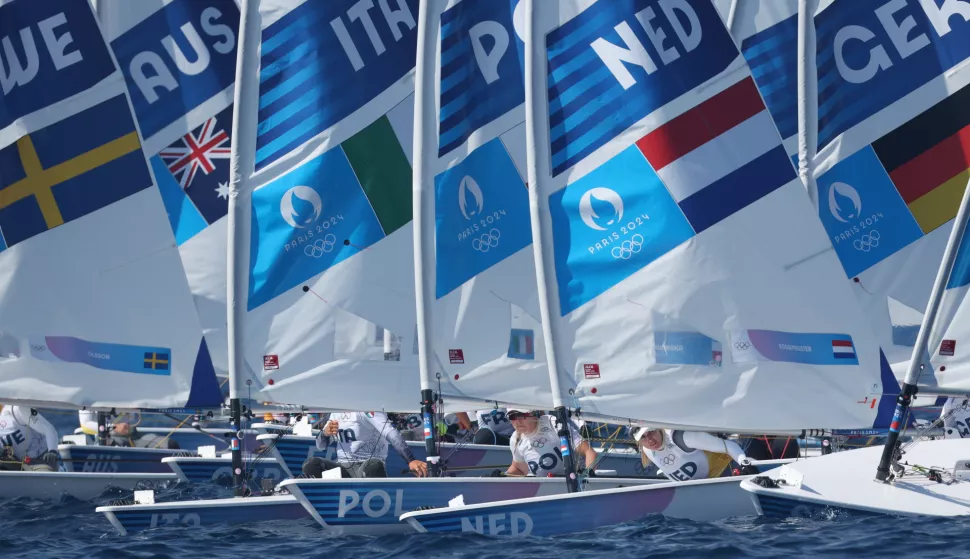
x,y
72,528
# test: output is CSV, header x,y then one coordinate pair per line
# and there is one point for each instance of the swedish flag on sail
x,y
46,181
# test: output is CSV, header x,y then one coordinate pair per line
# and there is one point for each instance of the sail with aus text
x,y
96,308
675,212
179,61
330,261
485,333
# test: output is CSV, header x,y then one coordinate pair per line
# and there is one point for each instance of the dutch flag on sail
x,y
843,349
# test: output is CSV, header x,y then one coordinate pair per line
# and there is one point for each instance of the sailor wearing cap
x,y
687,455
535,444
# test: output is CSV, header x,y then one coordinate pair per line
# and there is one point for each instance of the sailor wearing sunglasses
x,y
535,444
687,455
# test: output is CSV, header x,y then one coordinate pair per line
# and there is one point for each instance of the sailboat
x,y
913,137
680,216
85,238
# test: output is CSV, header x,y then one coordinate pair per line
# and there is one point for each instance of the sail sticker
x,y
522,344
481,216
772,55
928,159
793,347
178,58
305,222
609,224
865,217
605,72
456,356
103,355
46,181
865,65
591,370
271,362
482,68
720,156
948,348
685,348
324,60
58,55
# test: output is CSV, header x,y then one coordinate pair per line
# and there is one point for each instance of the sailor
x,y
122,433
494,427
362,439
956,418
535,444
29,440
687,455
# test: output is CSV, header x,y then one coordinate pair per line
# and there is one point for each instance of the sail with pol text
x,y
95,305
485,331
325,259
178,59
892,161
690,280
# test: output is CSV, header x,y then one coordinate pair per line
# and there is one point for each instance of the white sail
x,y
485,330
327,262
178,59
895,271
892,163
95,309
693,284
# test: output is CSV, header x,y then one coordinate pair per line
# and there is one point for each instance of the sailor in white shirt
x,y
27,438
362,440
494,427
535,444
956,418
687,455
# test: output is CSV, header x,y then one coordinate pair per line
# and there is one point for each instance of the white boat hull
x,y
207,512
83,486
846,481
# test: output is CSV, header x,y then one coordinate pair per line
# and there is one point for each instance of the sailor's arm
x,y
710,443
326,434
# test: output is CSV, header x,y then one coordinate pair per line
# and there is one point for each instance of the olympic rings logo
x,y
867,242
487,241
321,246
668,460
540,442
741,346
627,249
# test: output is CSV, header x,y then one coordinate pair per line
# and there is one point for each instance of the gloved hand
x,y
51,458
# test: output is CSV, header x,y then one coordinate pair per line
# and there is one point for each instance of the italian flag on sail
x,y
522,345
382,168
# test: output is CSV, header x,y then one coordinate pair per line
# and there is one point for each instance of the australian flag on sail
x,y
199,162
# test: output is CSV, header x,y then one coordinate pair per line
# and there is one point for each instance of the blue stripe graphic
x,y
880,75
772,55
588,104
321,63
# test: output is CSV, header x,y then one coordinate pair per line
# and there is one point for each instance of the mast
x,y
423,204
245,106
536,133
922,339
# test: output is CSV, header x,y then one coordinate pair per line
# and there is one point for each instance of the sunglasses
x,y
517,415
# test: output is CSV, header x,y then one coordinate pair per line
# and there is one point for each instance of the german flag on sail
x,y
70,169
928,159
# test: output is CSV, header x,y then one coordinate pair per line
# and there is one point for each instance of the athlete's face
x,y
653,440
524,423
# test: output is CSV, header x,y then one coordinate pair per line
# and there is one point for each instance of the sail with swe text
x,y
95,307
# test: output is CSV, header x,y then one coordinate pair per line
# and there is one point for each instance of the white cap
x,y
517,410
639,432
